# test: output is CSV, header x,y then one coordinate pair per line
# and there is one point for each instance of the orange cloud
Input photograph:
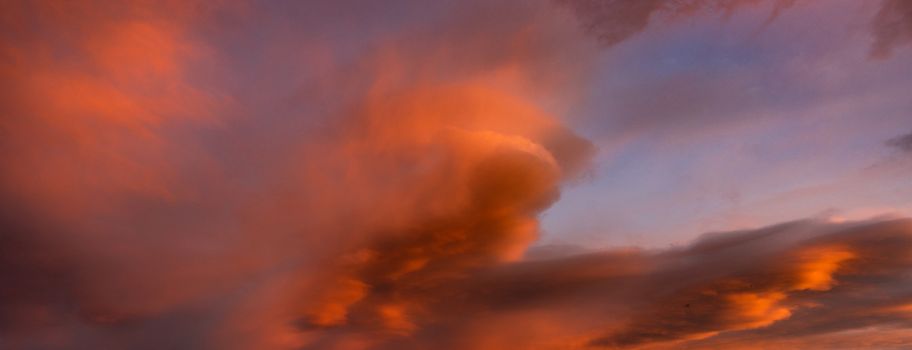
x,y
725,288
818,266
169,181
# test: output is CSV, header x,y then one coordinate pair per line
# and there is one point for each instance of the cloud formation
x,y
902,143
787,282
166,186
173,180
892,27
613,21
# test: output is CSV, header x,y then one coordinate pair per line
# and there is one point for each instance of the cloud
x,y
902,143
781,283
171,181
613,21
891,27
167,184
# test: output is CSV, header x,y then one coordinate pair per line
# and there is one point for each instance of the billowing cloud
x,y
237,175
166,186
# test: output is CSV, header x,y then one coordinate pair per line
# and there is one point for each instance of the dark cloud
x,y
902,143
613,21
891,27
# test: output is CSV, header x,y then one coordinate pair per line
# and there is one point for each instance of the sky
x,y
497,174
730,121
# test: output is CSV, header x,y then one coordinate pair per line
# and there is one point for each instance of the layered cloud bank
x,y
232,175
778,286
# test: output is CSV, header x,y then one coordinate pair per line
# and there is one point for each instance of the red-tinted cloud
x,y
783,283
191,176
892,26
